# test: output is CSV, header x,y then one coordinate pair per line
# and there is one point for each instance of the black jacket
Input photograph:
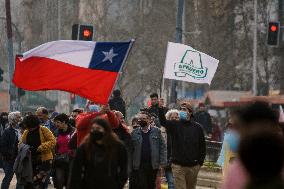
x,y
99,173
118,104
188,142
123,135
9,144
204,119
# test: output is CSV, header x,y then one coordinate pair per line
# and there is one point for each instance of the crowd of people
x,y
97,148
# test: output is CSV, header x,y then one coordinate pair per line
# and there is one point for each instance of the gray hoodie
x,y
23,165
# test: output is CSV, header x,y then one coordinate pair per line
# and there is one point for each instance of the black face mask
x,y
97,135
142,123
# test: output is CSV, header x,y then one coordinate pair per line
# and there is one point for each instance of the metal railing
x,y
213,149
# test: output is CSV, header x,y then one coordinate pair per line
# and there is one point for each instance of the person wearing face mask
x,y
231,140
62,150
149,153
9,147
188,147
42,143
101,161
256,118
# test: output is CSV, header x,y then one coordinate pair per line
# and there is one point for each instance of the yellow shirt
x,y
48,143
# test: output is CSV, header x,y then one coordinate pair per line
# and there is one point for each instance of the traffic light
x,y
1,74
21,92
273,33
82,32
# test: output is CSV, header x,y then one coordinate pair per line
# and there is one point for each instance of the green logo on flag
x,y
191,65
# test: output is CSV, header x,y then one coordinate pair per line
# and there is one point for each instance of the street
x,y
14,181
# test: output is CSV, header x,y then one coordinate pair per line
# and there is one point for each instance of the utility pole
x,y
178,40
254,63
281,45
10,52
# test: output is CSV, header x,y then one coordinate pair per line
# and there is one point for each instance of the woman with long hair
x,y
101,161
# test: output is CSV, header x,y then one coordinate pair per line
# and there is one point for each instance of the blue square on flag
x,y
109,56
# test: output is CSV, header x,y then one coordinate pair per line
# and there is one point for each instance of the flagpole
x,y
120,70
179,23
163,87
163,79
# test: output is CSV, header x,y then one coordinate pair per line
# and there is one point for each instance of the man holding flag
x,y
188,145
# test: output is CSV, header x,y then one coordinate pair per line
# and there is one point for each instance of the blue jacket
x,y
158,148
9,144
51,127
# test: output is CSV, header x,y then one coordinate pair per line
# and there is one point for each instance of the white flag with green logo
x,y
187,64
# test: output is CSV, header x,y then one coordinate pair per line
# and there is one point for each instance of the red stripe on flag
x,y
39,73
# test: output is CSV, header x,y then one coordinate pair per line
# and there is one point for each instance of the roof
x,y
226,98
275,99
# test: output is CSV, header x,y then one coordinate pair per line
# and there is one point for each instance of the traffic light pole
x,y
10,51
281,49
254,63
178,40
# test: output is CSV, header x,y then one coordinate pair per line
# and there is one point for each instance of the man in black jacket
x,y
8,145
3,122
156,109
188,148
117,103
204,119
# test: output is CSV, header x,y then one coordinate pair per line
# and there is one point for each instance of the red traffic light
x,y
82,32
87,33
273,28
273,33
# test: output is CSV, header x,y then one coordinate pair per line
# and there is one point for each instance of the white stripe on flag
x,y
77,53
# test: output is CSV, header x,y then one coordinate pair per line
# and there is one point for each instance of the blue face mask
x,y
233,140
183,115
94,108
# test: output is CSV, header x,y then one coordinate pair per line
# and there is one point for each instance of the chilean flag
x,y
86,68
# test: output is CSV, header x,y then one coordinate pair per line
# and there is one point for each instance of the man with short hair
x,y
148,153
188,147
157,109
9,147
42,114
117,103
204,119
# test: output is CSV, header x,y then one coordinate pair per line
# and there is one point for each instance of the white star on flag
x,y
109,55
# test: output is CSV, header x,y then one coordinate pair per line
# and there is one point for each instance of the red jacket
x,y
83,123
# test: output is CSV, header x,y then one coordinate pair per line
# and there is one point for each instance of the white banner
x,y
187,64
